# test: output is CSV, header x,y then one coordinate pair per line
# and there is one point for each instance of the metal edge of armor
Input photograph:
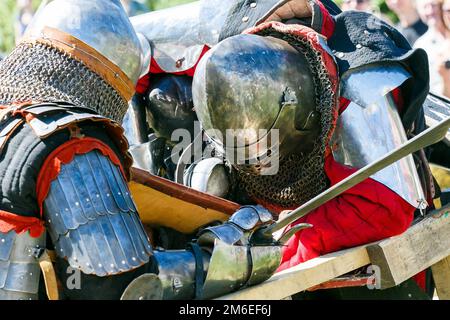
x,y
92,219
19,268
114,37
178,35
372,119
177,271
47,118
209,176
233,267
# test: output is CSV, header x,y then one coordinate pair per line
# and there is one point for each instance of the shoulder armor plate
x,y
92,219
371,127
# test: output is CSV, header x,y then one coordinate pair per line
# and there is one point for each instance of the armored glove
x,y
223,259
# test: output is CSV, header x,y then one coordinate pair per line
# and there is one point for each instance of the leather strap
x,y
48,271
199,269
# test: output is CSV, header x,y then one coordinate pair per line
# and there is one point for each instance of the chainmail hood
x,y
300,177
39,72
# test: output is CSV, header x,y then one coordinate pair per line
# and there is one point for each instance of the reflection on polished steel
x,y
364,86
363,135
248,90
178,35
228,270
265,261
246,217
19,269
177,273
101,24
146,287
209,176
227,233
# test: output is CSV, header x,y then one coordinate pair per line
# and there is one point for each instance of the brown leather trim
x,y
90,57
183,193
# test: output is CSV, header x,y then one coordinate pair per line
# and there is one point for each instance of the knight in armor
x,y
64,166
340,89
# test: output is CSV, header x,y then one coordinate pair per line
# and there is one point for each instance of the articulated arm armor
x,y
220,261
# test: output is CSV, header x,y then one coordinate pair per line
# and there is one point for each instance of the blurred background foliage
x,y
9,12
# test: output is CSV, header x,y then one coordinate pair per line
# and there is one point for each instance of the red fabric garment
x,y
328,24
365,213
20,224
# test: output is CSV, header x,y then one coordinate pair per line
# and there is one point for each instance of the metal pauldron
x,y
92,219
371,127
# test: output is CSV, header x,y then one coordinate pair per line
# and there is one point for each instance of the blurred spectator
x,y
134,7
368,6
410,25
444,57
432,41
359,5
24,17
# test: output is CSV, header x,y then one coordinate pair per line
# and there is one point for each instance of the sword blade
x,y
426,138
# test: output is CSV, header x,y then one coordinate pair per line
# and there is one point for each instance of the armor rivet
x,y
3,240
366,32
67,209
111,265
88,264
245,19
358,46
253,5
87,200
77,204
340,54
56,214
141,298
31,273
100,265
116,75
97,195
49,221
178,64
134,259
108,195
119,193
123,262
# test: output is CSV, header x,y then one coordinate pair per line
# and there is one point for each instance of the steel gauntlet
x,y
220,261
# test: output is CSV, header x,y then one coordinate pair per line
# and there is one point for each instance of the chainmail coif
x,y
300,178
38,72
